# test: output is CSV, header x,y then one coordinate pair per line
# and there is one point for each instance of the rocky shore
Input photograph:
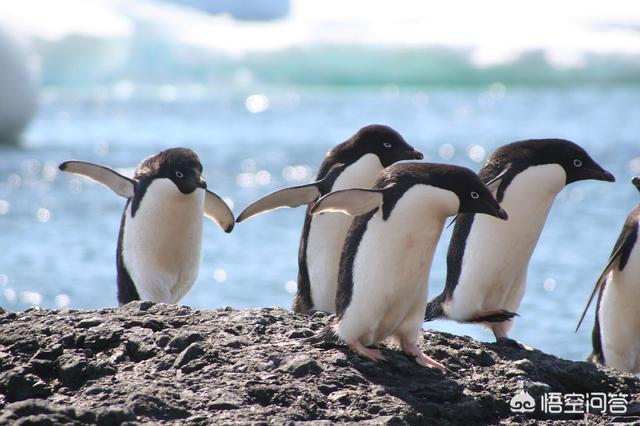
x,y
155,363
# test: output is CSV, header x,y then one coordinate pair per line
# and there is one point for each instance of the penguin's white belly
x,y
162,242
497,252
620,317
327,234
391,268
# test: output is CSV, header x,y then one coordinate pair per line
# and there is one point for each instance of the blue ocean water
x,y
58,232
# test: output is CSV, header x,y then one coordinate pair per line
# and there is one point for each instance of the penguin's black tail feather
x,y
498,315
325,336
434,309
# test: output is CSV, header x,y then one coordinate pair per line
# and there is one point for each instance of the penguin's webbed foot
x,y
412,349
426,361
374,355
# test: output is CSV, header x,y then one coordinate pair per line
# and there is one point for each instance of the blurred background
x,y
262,89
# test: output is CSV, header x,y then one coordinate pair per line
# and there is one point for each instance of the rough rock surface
x,y
160,363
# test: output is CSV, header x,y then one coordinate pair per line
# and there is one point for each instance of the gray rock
x,y
301,366
90,322
113,416
72,370
235,342
164,364
18,384
192,352
139,350
180,342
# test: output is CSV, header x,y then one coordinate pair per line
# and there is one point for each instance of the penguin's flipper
x,y
619,257
113,180
288,197
495,179
218,211
353,202
596,289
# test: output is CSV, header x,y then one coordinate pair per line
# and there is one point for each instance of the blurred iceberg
x,y
181,42
243,10
18,85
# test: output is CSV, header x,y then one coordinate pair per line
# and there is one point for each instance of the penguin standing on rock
x,y
487,259
351,164
616,332
385,262
160,237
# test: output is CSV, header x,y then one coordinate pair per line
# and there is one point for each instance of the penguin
x,y
160,236
387,255
616,332
354,163
487,260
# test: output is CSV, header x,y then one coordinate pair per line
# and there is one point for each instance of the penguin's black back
x,y
127,291
621,250
335,162
327,177
347,257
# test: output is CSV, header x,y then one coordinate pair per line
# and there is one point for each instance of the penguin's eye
x,y
179,174
577,163
475,195
387,145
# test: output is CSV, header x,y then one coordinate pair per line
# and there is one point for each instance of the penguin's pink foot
x,y
372,354
411,349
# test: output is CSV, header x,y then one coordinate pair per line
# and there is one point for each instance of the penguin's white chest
x,y
162,242
391,267
497,252
619,316
328,231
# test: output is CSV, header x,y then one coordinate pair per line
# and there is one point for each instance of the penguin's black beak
x,y
636,182
501,214
600,174
201,183
415,155
488,206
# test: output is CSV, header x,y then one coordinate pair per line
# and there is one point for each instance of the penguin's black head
x,y
384,142
181,165
577,164
575,161
473,195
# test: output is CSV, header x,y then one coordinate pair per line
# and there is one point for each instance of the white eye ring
x,y
577,163
475,195
179,174
387,145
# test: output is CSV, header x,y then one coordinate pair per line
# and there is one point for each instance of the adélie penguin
x,y
616,332
487,259
351,164
387,255
160,237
